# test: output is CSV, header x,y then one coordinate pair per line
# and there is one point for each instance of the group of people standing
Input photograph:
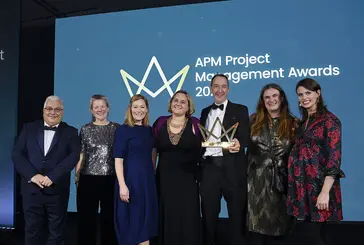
x,y
152,183
294,165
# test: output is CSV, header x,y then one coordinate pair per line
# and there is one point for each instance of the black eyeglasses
x,y
56,110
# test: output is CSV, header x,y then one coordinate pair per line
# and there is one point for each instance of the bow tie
x,y
221,107
50,128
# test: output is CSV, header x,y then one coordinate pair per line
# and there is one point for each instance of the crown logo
x,y
166,83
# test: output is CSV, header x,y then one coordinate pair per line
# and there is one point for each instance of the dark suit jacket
x,y
234,113
62,156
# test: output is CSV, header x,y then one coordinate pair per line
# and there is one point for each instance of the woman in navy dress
x,y
136,208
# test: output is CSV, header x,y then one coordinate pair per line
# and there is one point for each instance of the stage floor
x,y
342,234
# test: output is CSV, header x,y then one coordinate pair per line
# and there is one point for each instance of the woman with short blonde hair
x,y
178,144
95,175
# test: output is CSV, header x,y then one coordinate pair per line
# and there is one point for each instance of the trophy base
x,y
217,144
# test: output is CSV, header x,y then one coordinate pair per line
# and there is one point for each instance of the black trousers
x,y
96,192
313,233
220,177
45,218
260,239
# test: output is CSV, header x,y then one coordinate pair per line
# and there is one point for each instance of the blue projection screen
x,y
253,42
9,57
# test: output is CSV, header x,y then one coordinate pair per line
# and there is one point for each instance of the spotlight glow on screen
x,y
9,57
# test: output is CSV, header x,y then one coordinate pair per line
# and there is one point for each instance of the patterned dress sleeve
x,y
252,119
120,142
333,147
83,141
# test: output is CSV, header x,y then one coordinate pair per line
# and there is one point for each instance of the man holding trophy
x,y
225,131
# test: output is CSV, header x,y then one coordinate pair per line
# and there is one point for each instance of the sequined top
x,y
97,147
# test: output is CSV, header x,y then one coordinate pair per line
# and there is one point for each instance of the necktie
x,y
221,107
50,128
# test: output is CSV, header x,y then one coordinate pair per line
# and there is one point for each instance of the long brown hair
x,y
129,120
286,122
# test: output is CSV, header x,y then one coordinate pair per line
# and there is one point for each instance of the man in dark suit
x,y
223,171
44,155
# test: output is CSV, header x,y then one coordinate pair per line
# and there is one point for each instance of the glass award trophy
x,y
206,134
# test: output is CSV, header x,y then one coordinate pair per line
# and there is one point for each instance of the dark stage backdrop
x,y
9,57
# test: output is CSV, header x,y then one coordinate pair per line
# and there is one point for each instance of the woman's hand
x,y
323,201
124,193
324,196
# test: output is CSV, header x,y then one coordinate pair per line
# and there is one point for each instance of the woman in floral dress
x,y
314,193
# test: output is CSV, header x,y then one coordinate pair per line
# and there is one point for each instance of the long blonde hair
x,y
129,120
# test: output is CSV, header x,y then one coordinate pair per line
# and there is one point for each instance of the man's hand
x,y
47,182
38,180
235,147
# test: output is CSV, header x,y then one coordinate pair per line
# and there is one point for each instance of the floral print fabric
x,y
315,155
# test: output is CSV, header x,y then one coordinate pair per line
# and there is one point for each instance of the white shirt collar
x,y
224,103
45,124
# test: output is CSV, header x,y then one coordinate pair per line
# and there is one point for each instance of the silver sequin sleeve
x,y
97,148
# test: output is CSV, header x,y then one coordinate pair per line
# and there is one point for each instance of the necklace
x,y
174,138
175,125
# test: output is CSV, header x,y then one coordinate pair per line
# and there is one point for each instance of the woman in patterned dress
x,y
314,193
272,132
